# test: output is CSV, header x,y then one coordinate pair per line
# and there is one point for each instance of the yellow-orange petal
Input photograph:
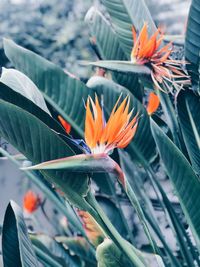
x,y
153,103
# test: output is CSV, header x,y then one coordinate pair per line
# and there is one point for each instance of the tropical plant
x,y
104,132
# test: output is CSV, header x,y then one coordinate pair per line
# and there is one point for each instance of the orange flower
x,y
92,229
153,103
149,51
65,124
31,201
117,132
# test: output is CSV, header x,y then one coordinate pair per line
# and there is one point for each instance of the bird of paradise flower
x,y
149,51
101,138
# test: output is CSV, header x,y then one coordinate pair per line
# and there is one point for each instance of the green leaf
x,y
54,250
23,85
39,143
16,245
192,42
19,100
143,142
109,255
61,89
183,178
189,115
62,206
83,163
112,211
125,14
79,246
122,66
106,40
13,97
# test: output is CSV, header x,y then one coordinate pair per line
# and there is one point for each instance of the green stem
x,y
168,209
184,243
46,258
108,228
135,203
121,212
156,229
143,215
169,112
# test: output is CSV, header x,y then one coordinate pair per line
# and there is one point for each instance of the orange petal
x,y
99,121
65,124
89,125
153,103
134,35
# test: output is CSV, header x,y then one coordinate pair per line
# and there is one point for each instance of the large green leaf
x,y
143,141
83,163
122,66
39,143
108,255
19,100
189,115
78,246
13,97
126,13
183,178
16,245
51,248
112,211
109,48
64,91
62,206
23,85
192,42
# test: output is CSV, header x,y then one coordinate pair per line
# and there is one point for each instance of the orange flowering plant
x,y
117,156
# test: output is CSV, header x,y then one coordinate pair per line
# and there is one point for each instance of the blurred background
x,y
55,29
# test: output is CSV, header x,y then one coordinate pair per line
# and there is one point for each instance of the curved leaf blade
x,y
16,245
62,90
79,246
108,255
188,105
183,178
123,15
9,95
19,100
83,163
39,143
23,85
54,250
122,66
192,42
106,40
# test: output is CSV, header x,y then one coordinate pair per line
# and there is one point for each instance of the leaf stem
x,y
109,229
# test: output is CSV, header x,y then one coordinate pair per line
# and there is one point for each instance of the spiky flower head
x,y
149,51
117,132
